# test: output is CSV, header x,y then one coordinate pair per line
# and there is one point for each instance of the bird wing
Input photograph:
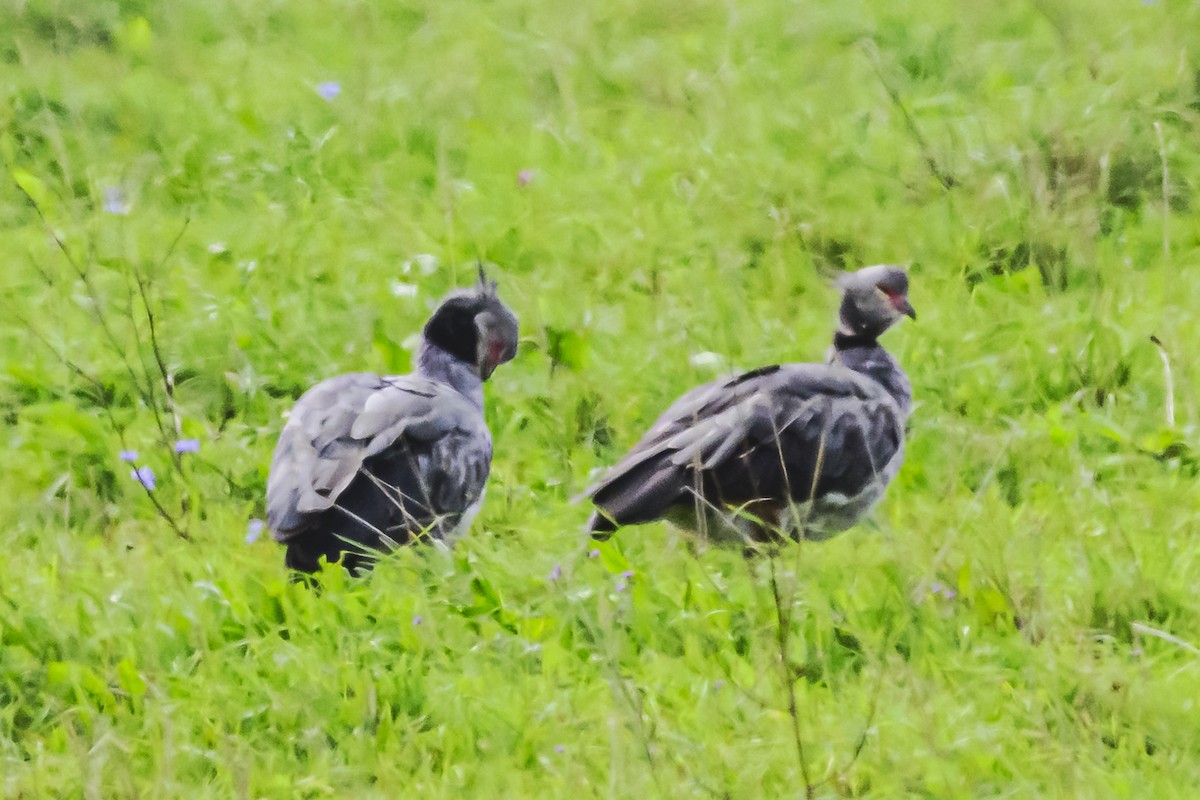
x,y
784,431
342,422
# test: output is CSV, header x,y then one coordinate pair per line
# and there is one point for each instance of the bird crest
x,y
485,286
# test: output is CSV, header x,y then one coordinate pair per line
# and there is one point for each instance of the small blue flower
x,y
416,619
329,89
253,530
593,553
558,748
128,455
555,573
187,446
942,590
623,584
114,200
144,476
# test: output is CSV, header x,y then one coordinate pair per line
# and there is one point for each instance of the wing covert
x,y
342,422
776,431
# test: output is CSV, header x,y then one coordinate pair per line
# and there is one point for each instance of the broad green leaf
x,y
129,679
567,348
612,558
35,188
138,35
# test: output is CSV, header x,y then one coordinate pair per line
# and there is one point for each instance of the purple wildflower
x,y
593,553
187,446
128,455
623,584
416,619
253,530
524,177
555,573
944,591
329,89
144,476
558,748
114,200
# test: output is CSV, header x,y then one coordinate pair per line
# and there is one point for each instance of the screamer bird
x,y
788,450
367,462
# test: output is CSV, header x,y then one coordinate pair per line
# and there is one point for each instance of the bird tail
x,y
600,526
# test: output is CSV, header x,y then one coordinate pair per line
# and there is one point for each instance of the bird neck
x,y
863,354
435,363
852,321
844,339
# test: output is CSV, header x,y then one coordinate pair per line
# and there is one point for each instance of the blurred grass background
x,y
294,184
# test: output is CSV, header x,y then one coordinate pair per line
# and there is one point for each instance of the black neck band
x,y
849,341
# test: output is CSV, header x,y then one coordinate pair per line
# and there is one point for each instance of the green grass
x,y
698,171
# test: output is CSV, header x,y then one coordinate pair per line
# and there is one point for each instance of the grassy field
x,y
246,197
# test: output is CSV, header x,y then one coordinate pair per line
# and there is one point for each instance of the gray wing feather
x,y
728,411
715,424
719,437
339,423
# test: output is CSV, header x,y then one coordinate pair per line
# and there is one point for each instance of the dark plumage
x,y
367,462
799,449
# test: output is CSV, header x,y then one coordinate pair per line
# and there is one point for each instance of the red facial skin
x,y
899,302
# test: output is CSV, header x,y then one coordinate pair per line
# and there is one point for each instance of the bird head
x,y
474,326
874,299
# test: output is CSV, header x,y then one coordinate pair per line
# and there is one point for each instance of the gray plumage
x,y
803,450
368,462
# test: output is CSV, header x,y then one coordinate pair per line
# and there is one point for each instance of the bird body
x,y
793,450
367,462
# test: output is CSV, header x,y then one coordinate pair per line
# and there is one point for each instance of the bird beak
x,y
492,354
905,308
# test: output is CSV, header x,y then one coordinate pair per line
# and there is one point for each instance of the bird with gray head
x,y
791,450
367,462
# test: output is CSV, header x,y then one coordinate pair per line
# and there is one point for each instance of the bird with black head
x,y
367,462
